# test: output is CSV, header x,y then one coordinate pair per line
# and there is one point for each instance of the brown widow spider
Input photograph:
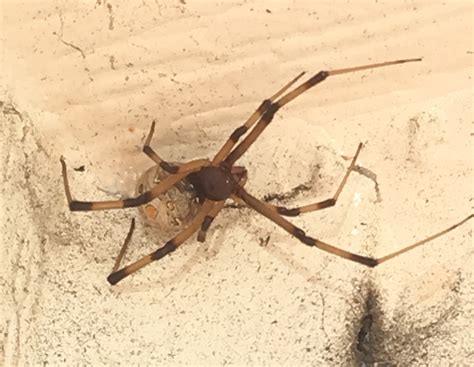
x,y
218,180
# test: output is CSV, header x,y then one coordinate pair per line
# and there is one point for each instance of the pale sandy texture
x,y
85,80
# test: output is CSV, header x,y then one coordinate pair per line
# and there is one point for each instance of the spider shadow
x,y
203,252
313,275
287,258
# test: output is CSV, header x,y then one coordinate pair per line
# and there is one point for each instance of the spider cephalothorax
x,y
214,182
219,180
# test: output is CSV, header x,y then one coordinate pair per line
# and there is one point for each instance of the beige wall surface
x,y
84,79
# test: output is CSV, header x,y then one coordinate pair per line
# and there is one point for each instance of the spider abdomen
x,y
170,211
214,183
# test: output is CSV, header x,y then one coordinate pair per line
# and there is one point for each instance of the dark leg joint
x,y
168,167
147,150
165,250
139,200
204,227
264,106
206,223
367,261
201,236
116,277
299,233
319,77
238,133
80,206
327,203
270,112
308,241
288,212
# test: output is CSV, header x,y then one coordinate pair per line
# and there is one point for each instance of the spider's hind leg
x,y
293,230
124,246
169,247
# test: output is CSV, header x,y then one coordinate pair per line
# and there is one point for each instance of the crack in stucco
x,y
60,36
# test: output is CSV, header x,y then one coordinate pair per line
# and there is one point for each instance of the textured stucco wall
x,y
85,80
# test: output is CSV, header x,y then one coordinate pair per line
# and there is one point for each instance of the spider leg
x,y
266,211
169,246
293,212
124,246
208,219
269,113
166,166
141,199
235,136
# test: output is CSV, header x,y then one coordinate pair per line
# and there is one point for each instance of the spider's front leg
x,y
146,197
241,130
268,114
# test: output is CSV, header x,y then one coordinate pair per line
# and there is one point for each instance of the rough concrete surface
x,y
84,79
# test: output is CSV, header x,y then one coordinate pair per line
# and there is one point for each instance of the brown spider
x,y
218,180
